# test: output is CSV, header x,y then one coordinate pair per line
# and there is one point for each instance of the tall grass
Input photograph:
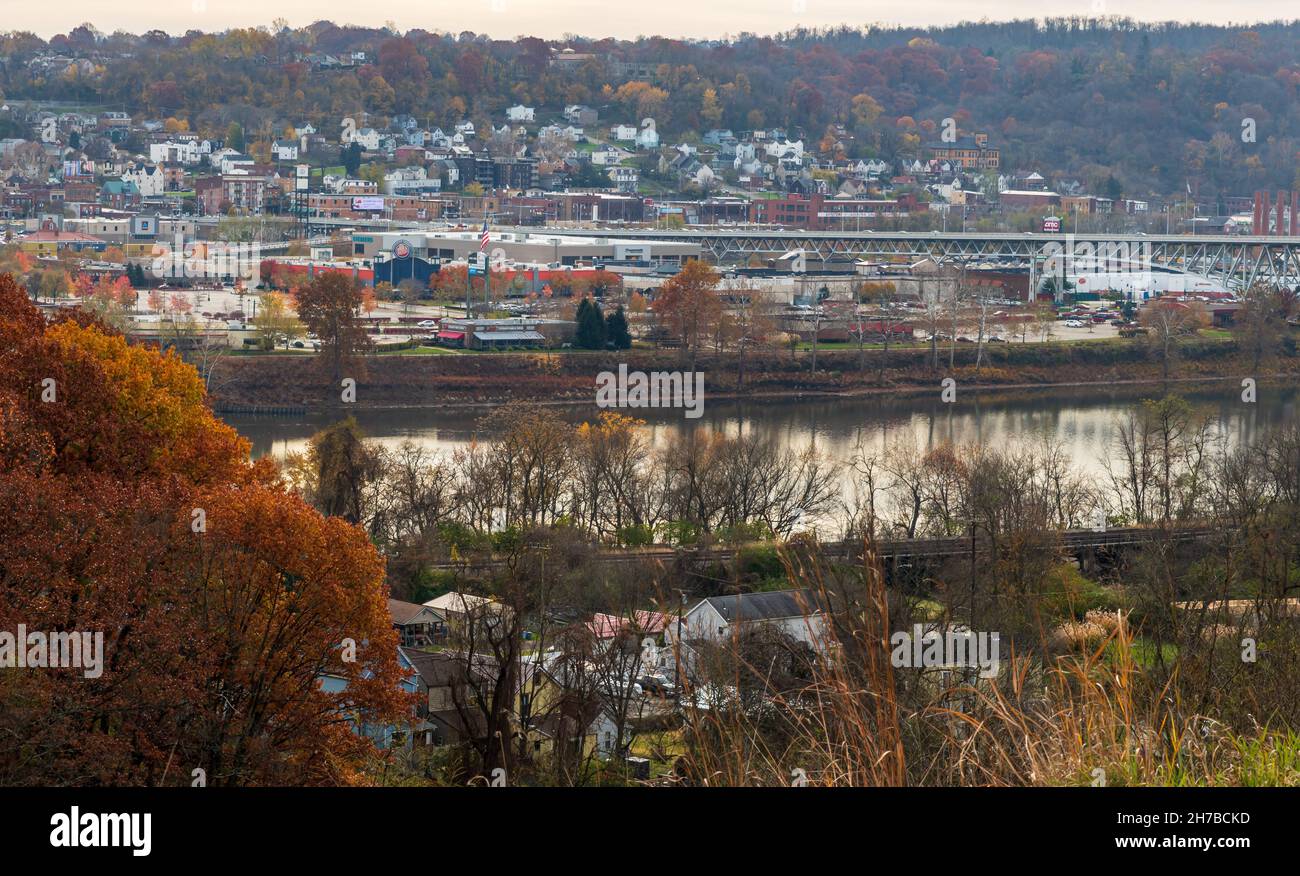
x,y
1094,715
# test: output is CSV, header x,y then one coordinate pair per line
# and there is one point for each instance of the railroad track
x,y
1070,540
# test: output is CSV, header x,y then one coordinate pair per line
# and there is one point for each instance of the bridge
x,y
1071,541
1236,260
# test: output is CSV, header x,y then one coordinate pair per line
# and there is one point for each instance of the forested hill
x,y
1159,106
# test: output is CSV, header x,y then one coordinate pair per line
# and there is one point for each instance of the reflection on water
x,y
1080,421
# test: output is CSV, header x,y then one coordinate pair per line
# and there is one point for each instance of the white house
x,y
409,180
623,133
368,138
285,150
236,162
797,613
520,113
186,152
608,156
786,149
149,181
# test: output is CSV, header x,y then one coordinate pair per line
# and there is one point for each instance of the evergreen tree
x,y
616,330
351,157
591,326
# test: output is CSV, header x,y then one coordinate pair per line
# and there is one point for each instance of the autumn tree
x,y
222,600
1167,323
689,307
275,321
329,306
1261,324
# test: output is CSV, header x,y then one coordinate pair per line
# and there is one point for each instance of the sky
x,y
554,19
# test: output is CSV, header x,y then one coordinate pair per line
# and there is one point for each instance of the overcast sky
x,y
554,19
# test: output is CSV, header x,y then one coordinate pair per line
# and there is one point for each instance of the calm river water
x,y
1081,421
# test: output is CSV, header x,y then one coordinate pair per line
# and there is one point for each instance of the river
x,y
1081,421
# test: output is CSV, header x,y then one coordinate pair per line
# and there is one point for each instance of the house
x,y
419,625
119,194
580,114
149,181
386,736
520,113
438,139
608,156
796,613
188,152
236,162
461,610
285,150
409,180
623,133
445,709
625,179
543,709
369,139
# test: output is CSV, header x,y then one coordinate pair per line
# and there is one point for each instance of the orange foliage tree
x,y
688,305
223,599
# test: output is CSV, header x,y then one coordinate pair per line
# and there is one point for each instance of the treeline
x,y
605,484
1156,107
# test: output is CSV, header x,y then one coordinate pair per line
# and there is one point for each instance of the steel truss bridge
x,y
1237,261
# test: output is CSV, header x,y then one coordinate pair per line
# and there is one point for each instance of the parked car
x,y
655,686
427,323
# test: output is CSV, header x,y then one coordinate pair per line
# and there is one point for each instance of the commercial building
x,y
513,332
523,247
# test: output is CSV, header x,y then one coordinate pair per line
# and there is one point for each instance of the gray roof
x,y
772,605
509,336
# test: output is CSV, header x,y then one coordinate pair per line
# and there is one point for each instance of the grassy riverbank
x,y
488,379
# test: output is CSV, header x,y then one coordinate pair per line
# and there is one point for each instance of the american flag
x,y
484,238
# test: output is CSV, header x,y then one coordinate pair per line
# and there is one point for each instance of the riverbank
x,y
269,385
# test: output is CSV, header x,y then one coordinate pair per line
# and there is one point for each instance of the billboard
x,y
368,203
